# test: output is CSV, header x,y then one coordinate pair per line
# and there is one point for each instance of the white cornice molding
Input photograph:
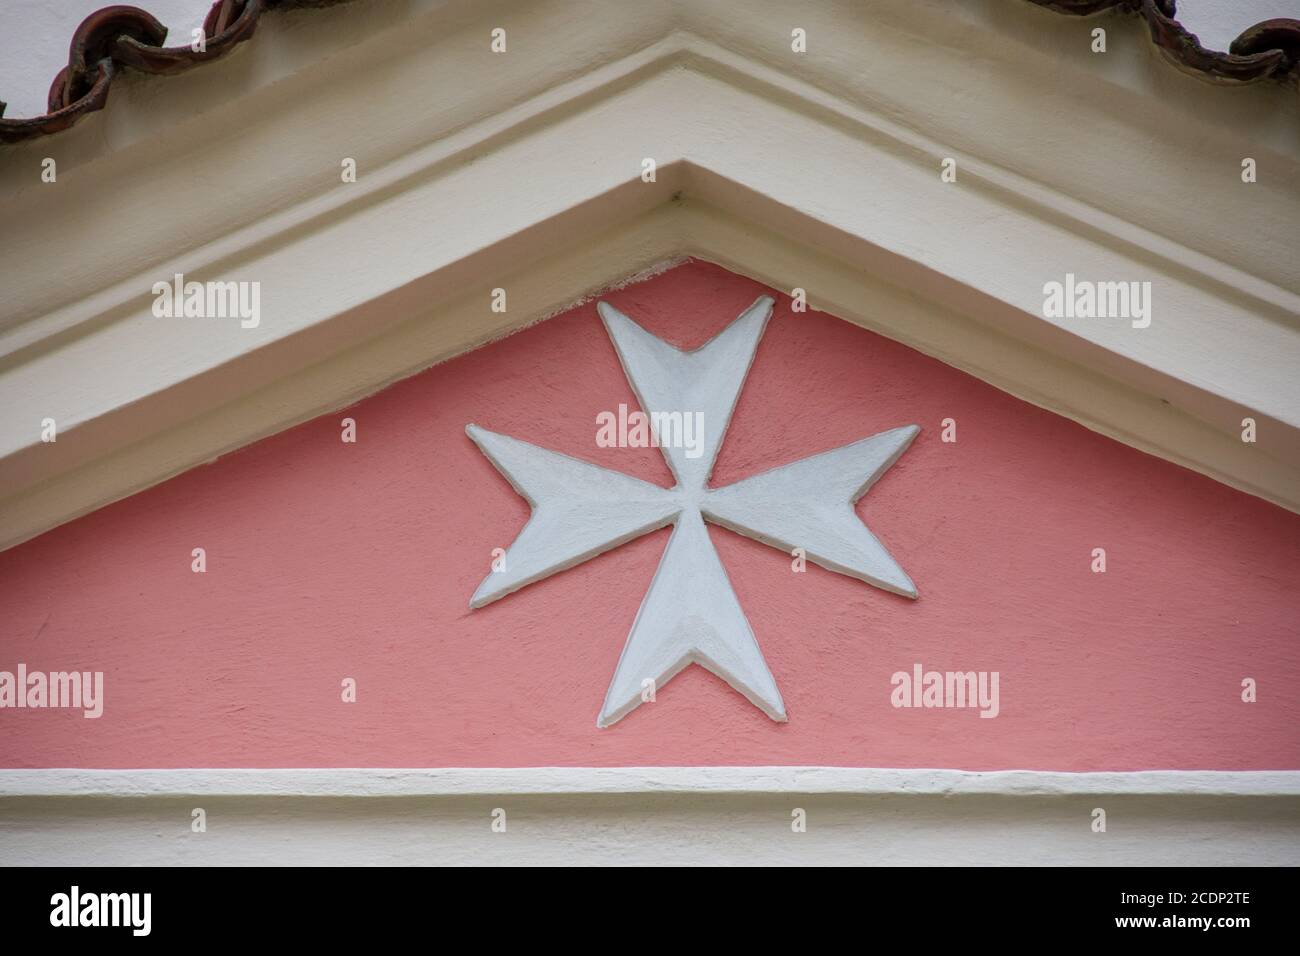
x,y
493,781
820,171
647,815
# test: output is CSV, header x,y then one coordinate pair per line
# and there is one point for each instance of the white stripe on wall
x,y
458,781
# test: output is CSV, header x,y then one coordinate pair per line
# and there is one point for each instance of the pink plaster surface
x,y
328,560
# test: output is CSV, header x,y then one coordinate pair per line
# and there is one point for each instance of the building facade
x,y
707,433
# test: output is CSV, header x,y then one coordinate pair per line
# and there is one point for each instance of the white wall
x,y
34,36
1219,22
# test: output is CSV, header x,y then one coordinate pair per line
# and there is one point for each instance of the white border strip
x,y
468,781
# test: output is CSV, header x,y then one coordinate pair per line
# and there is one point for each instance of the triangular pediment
x,y
499,591
821,171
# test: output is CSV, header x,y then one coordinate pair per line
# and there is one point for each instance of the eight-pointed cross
x,y
690,614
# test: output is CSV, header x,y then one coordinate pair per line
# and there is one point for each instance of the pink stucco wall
x,y
328,560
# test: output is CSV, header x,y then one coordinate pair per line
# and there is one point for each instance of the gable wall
x,y
328,560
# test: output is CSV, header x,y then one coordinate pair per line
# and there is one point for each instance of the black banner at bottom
x,y
328,906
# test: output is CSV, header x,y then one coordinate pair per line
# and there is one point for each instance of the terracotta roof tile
x,y
121,36
1268,50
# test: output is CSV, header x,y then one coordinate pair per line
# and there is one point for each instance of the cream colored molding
x,y
635,815
819,171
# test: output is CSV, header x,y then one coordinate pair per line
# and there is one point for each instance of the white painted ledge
x,y
680,816
473,781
